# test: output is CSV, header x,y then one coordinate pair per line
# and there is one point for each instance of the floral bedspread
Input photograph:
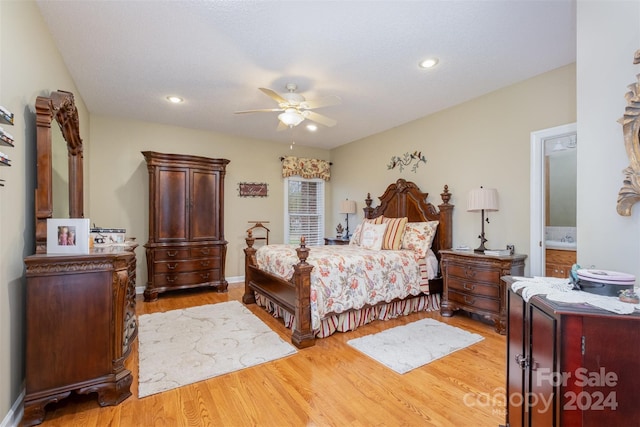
x,y
346,277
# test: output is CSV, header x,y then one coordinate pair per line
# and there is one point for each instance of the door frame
x,y
538,205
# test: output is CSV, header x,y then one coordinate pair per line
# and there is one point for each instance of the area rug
x,y
410,346
181,347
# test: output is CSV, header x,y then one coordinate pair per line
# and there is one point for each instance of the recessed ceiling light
x,y
311,127
428,63
175,99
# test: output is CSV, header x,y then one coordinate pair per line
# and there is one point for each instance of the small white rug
x,y
181,347
410,346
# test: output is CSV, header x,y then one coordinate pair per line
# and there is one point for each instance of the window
x,y
304,210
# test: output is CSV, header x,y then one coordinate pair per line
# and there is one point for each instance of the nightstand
x,y
336,241
471,282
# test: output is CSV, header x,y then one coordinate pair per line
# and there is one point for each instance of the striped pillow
x,y
395,230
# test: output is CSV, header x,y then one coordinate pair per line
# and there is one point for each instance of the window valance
x,y
306,168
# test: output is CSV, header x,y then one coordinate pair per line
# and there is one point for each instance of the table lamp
x,y
347,207
482,199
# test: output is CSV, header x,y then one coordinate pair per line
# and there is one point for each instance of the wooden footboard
x,y
293,296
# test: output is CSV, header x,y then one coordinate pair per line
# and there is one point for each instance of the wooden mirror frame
x,y
60,105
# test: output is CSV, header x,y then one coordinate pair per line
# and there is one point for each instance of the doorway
x,y
564,135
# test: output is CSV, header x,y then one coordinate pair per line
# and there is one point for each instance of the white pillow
x,y
372,236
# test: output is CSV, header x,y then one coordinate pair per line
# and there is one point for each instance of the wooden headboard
x,y
404,198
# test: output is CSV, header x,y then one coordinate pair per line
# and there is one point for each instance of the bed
x,y
291,288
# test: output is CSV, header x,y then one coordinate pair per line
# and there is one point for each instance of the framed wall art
x,y
68,236
252,189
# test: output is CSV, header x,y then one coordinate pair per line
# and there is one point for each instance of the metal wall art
x,y
406,160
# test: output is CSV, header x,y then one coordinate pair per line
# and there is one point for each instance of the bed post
x,y
446,218
249,296
302,335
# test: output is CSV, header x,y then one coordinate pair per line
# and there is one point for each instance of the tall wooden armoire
x,y
186,246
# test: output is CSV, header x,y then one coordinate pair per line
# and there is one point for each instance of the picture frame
x,y
252,189
68,235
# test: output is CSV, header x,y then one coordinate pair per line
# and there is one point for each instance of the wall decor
x,y
406,160
252,189
629,194
68,236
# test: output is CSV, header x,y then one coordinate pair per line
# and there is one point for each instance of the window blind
x,y
304,211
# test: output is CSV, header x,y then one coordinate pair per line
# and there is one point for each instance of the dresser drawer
x,y
205,251
471,287
186,279
475,301
170,253
186,266
474,273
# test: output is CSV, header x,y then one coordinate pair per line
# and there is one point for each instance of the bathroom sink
x,y
557,244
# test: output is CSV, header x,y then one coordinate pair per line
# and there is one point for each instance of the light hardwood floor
x,y
330,384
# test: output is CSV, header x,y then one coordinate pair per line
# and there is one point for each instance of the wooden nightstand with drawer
x,y
472,283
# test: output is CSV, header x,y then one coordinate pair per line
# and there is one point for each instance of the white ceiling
x,y
126,57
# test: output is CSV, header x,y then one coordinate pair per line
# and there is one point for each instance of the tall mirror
x,y
60,108
561,184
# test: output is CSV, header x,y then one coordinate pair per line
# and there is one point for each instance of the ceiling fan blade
x,y
319,118
262,110
273,95
321,102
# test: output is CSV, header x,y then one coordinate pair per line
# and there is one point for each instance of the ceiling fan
x,y
295,108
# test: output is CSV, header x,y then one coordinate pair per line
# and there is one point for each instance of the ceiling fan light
x,y
290,117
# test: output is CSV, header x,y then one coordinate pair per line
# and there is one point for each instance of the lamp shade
x,y
291,117
483,199
348,207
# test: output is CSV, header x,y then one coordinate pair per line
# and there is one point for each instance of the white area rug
x,y
181,347
410,346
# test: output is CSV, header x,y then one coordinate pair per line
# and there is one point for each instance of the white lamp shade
x,y
348,207
291,117
483,199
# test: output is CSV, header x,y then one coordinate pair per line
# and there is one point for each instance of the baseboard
x,y
235,279
14,416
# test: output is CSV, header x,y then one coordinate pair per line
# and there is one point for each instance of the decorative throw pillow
x,y
372,236
418,236
355,237
395,231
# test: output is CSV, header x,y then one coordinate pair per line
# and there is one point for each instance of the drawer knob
x,y
204,251
469,272
469,287
205,276
171,279
469,301
521,361
172,254
172,266
204,263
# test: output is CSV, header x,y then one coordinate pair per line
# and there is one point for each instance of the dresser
x,y
186,246
80,324
576,365
471,282
336,241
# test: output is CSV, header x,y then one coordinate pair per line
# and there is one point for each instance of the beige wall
x,y
608,37
30,66
120,180
485,141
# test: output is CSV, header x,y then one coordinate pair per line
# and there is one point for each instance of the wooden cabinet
x,y
570,365
471,282
559,262
186,246
336,241
81,322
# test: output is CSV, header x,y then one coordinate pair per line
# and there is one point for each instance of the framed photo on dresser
x,y
68,236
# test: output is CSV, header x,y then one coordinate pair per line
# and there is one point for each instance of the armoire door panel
x,y
204,212
172,209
